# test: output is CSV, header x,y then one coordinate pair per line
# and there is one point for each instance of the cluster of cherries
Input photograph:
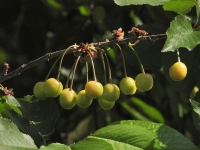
x,y
107,94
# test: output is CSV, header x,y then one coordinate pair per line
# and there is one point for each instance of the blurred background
x,y
30,29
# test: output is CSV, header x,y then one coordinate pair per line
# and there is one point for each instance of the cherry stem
x,y
179,60
104,66
68,78
86,68
61,60
109,70
124,63
94,74
138,58
47,76
197,19
75,65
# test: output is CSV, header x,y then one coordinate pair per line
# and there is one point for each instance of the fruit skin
x,y
52,87
111,92
82,100
38,91
144,82
127,86
93,89
104,104
178,71
67,98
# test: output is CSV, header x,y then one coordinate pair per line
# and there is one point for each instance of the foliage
x,y
13,138
26,34
135,135
181,34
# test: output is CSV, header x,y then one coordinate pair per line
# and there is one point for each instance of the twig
x,y
48,56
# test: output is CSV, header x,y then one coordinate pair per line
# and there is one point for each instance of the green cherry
x,y
111,92
52,87
144,82
127,86
104,104
93,89
82,100
67,98
38,91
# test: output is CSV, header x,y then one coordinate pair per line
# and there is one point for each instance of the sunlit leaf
x,y
181,34
135,135
9,102
117,137
180,6
12,138
55,146
140,2
165,137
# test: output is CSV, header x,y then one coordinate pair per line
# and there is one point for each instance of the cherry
x,y
38,91
104,104
178,71
82,100
93,89
52,87
127,86
111,92
67,98
144,82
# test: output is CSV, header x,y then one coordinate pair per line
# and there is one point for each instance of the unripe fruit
x,y
67,98
52,87
93,89
82,100
111,92
127,86
178,71
144,82
104,104
38,91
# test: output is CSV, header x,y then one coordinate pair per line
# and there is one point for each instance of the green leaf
x,y
84,10
13,104
9,102
165,137
140,2
181,34
198,9
196,113
118,137
180,6
95,143
55,146
38,117
149,110
55,4
12,138
135,135
132,111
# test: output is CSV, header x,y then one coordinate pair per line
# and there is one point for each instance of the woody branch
x,y
118,40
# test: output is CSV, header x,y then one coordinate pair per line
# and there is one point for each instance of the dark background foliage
x,y
30,29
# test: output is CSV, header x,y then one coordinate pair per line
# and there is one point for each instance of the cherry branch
x,y
48,56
